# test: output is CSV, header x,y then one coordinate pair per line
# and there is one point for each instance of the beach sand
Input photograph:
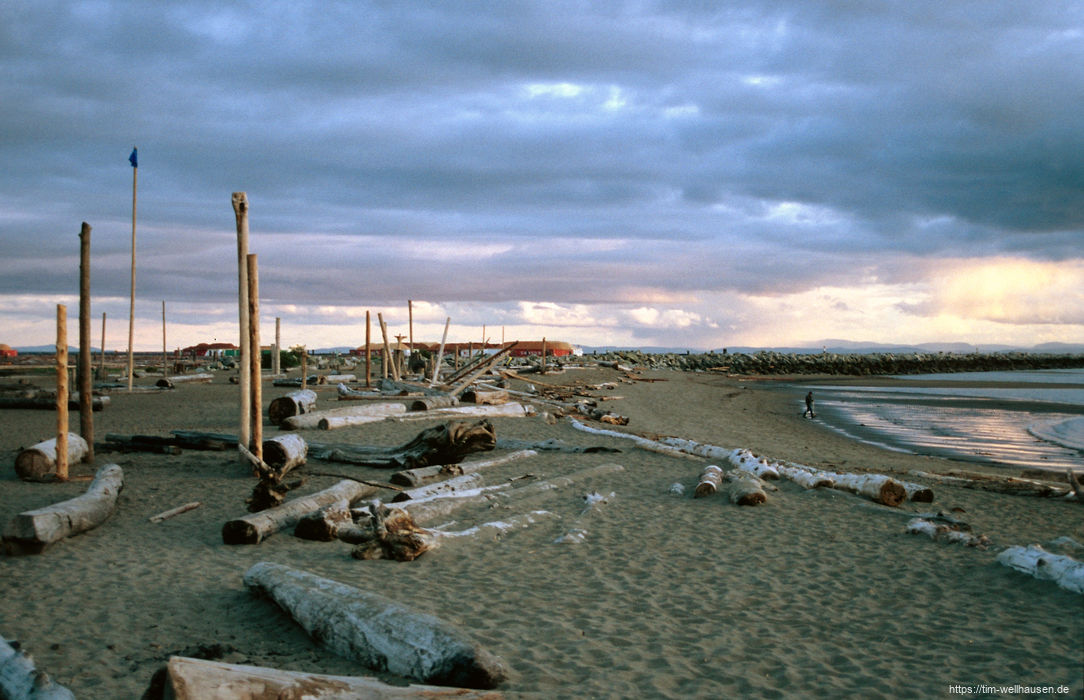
x,y
814,594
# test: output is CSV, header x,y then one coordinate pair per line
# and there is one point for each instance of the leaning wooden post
x,y
61,392
86,398
387,349
165,359
368,352
276,360
440,352
240,210
255,383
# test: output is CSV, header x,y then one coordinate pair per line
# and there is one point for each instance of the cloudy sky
x,y
696,174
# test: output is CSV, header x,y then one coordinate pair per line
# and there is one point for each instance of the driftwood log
x,y
284,452
748,462
32,531
47,401
449,443
1036,561
256,527
195,679
745,489
376,631
946,529
295,403
20,679
323,525
710,481
392,534
508,410
344,416
437,489
998,484
38,462
426,475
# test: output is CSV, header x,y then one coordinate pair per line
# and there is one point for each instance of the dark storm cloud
x,y
715,140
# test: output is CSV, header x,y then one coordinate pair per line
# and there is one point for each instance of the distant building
x,y
211,350
8,351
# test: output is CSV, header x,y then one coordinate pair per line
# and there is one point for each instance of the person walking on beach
x,y
809,406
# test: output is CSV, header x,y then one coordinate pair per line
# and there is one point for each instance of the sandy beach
x,y
816,593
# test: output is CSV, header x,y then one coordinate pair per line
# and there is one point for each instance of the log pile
x,y
376,631
32,531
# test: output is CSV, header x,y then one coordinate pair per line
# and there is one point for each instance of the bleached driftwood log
x,y
876,487
425,475
710,481
38,462
20,679
641,442
46,401
196,679
359,414
508,410
946,530
377,631
744,488
456,484
578,532
284,452
1036,561
448,443
296,403
749,462
490,397
256,527
998,484
202,378
32,531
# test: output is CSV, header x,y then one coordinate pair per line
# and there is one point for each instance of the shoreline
x,y
815,593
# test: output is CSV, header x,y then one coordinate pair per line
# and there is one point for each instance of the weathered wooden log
x,y
394,535
339,378
876,487
508,410
641,442
324,525
744,488
312,379
196,440
139,443
456,484
710,480
425,475
296,403
1036,561
749,462
39,462
20,679
998,484
366,413
449,443
47,402
166,515
946,531
284,452
377,631
490,397
807,478
203,378
428,403
256,527
34,530
552,445
195,679
600,415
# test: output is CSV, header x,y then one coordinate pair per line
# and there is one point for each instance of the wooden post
x,y
276,359
255,383
131,302
61,392
86,397
101,359
368,352
410,324
387,349
543,354
399,354
240,210
304,368
440,353
165,357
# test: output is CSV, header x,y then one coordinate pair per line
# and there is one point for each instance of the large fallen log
x,y
47,401
426,475
508,410
32,531
284,452
20,679
377,631
366,413
438,489
747,461
295,403
1036,561
38,462
195,679
641,442
449,443
256,527
744,488
202,378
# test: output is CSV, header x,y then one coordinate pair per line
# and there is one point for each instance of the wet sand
x,y
814,594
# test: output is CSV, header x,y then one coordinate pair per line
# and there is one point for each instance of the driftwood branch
x,y
166,515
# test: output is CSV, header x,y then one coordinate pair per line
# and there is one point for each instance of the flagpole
x,y
131,303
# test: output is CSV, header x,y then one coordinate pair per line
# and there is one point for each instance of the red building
x,y
8,351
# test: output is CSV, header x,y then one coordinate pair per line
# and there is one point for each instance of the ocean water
x,y
1027,419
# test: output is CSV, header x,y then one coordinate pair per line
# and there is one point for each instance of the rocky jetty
x,y
770,363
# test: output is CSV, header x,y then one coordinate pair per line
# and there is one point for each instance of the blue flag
x,y
133,159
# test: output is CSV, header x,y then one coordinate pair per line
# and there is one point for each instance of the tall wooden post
x,y
368,351
131,302
543,354
101,358
240,210
61,392
255,383
86,398
276,359
410,322
304,368
387,349
165,358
